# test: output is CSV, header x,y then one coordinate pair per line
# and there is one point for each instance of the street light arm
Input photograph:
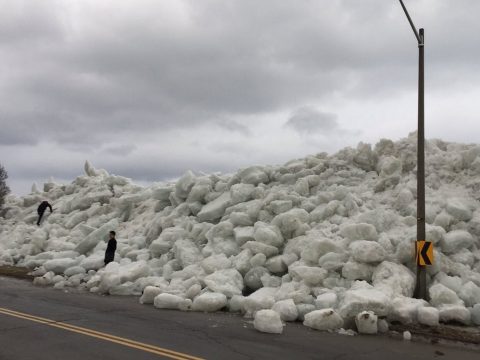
x,y
419,39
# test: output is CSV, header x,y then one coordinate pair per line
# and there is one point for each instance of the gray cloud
x,y
111,79
307,120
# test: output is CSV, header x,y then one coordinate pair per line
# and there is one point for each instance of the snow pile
x,y
326,239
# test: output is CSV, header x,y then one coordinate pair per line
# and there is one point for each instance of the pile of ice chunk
x,y
327,240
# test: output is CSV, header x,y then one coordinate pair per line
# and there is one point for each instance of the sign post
x,y
421,285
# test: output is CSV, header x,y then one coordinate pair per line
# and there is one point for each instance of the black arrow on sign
x,y
423,253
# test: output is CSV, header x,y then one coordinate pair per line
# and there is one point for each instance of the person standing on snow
x,y
41,210
111,247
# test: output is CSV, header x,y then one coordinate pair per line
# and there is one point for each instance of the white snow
x,y
329,233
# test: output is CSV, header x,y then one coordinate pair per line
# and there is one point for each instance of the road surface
x,y
43,323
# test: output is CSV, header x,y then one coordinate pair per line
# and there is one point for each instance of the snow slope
x,y
330,236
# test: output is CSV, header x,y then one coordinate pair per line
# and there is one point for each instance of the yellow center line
x,y
100,335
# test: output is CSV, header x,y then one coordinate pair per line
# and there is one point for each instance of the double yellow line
x,y
100,335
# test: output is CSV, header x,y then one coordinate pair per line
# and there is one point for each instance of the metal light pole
x,y
421,285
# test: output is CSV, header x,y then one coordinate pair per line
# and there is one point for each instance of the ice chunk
x,y
459,209
263,298
456,240
228,282
458,313
311,275
74,270
358,300
367,251
253,175
193,291
258,260
240,219
258,247
353,270
316,248
215,209
366,322
93,262
253,278
360,231
405,309
326,300
333,261
382,326
280,206
276,264
452,282
326,319
287,310
241,193
269,235
149,294
292,223
268,321
216,262
96,236
58,266
428,316
242,234
209,302
470,294
187,253
394,278
440,295
236,303
169,301
184,185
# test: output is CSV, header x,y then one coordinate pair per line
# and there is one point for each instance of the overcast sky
x,y
151,88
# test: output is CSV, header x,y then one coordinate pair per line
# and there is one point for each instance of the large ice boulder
x,y
170,301
441,295
456,240
253,175
268,321
215,209
360,231
366,322
227,281
459,209
96,236
209,302
367,251
326,319
287,310
394,279
361,299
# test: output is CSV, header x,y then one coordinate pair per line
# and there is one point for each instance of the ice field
x,y
327,239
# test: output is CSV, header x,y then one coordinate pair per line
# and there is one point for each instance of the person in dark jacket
x,y
41,210
111,247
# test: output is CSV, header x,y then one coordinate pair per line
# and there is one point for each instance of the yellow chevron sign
x,y
424,252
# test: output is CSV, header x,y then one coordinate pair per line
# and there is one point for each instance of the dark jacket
x,y
43,206
110,252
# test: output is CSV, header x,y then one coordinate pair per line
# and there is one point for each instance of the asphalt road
x,y
43,323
